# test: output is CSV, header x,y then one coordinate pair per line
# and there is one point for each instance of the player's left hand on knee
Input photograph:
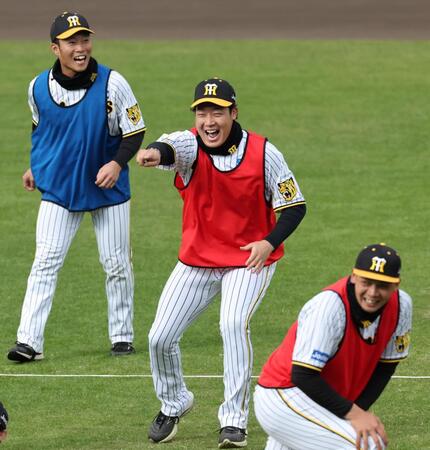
x,y
108,175
260,251
367,426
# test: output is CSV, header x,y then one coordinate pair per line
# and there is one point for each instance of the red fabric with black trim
x,y
225,210
350,369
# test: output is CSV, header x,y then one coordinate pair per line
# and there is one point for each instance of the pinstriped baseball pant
x,y
187,293
295,422
55,230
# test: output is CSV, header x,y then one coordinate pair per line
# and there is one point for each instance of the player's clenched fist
x,y
28,180
148,157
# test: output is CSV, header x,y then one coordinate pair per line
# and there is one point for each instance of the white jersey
x,y
321,325
124,116
277,173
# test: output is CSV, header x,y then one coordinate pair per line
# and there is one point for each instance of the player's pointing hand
x,y
260,251
148,157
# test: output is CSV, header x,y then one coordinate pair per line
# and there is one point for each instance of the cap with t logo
x,y
216,91
67,24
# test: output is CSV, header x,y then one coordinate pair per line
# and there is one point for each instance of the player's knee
x,y
155,341
160,342
114,266
51,263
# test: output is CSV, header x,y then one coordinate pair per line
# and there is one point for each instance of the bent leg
x,y
55,230
242,293
112,228
187,293
291,418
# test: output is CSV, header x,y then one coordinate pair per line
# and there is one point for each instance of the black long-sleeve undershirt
x,y
380,378
288,221
316,388
128,148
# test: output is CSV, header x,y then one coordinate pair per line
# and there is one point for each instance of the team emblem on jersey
x,y
134,114
402,342
366,323
288,189
232,149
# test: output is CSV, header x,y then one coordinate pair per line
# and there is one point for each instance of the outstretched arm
x,y
148,157
155,154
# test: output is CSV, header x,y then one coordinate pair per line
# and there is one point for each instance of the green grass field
x,y
352,118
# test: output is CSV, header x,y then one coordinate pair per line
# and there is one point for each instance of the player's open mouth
x,y
370,302
80,58
212,134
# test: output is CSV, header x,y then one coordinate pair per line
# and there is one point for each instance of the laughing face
x,y
73,53
372,295
214,123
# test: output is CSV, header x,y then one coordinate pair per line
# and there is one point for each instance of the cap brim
x,y
216,101
375,276
72,31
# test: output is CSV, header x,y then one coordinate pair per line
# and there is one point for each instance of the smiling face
x,y
372,295
214,123
73,53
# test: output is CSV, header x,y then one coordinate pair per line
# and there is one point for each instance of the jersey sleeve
x,y
398,346
124,114
321,325
281,186
184,145
32,103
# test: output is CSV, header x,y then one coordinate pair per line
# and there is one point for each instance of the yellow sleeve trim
x,y
134,132
297,363
280,208
390,361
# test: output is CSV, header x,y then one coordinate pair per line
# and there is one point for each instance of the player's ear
x,y
55,48
234,112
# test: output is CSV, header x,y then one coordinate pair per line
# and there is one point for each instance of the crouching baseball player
x,y
315,390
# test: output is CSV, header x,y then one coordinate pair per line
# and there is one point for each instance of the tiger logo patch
x,y
134,114
288,189
402,342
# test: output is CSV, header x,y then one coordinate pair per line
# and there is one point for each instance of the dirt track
x,y
225,19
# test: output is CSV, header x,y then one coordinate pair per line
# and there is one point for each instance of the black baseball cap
x,y
216,91
378,262
67,24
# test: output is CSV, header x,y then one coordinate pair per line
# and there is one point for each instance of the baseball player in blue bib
x,y
87,125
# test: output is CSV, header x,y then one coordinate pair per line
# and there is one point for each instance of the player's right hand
x,y
28,180
366,425
148,157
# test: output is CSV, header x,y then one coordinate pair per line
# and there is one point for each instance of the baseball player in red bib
x,y
231,181
315,390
